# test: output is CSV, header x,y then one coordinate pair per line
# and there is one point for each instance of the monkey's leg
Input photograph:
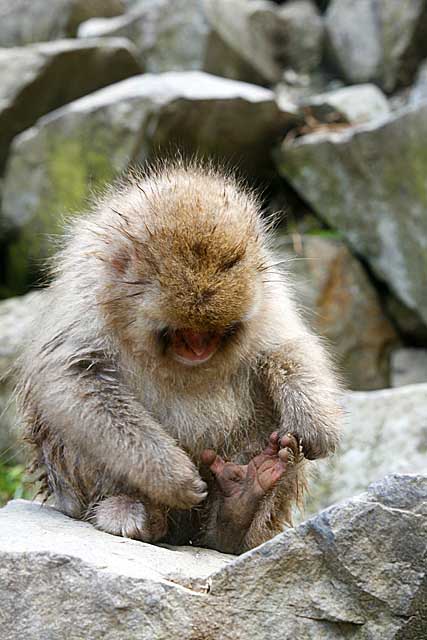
x,y
242,489
275,510
299,381
131,518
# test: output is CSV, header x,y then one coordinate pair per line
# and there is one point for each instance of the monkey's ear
x,y
120,261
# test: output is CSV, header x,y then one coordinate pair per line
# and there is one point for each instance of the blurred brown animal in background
x,y
168,341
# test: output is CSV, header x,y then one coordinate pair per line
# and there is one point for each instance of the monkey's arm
x,y
299,380
93,413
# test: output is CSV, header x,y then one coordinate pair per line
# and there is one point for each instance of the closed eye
x,y
229,264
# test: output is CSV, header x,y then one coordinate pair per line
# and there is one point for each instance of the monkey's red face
x,y
194,347
202,289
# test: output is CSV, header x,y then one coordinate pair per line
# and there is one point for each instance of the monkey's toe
x,y
123,516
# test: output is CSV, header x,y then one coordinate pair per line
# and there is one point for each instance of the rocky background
x,y
322,105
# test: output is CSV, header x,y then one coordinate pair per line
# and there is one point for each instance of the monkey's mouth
x,y
193,347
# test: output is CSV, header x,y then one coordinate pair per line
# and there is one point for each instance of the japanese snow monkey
x,y
170,391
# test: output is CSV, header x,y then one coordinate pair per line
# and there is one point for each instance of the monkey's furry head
x,y
183,253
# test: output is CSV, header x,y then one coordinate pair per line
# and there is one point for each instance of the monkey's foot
x,y
243,486
124,516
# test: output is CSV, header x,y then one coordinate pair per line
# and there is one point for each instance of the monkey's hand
x,y
176,481
313,445
242,487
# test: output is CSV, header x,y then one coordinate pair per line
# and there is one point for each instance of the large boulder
x,y
16,318
357,570
379,41
39,78
80,147
168,36
386,432
268,37
26,21
341,303
369,183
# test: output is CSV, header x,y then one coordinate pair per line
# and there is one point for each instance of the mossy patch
x,y
75,168
12,483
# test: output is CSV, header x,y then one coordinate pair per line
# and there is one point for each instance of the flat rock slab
x,y
36,529
356,570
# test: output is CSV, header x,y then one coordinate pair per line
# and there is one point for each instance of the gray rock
x,y
39,78
379,41
16,318
409,323
356,570
26,21
83,145
419,90
341,304
269,37
408,366
223,60
298,88
355,104
169,36
386,432
369,182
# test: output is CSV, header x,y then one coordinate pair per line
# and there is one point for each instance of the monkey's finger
x,y
271,449
290,442
214,462
284,455
289,456
268,477
278,471
273,446
208,456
